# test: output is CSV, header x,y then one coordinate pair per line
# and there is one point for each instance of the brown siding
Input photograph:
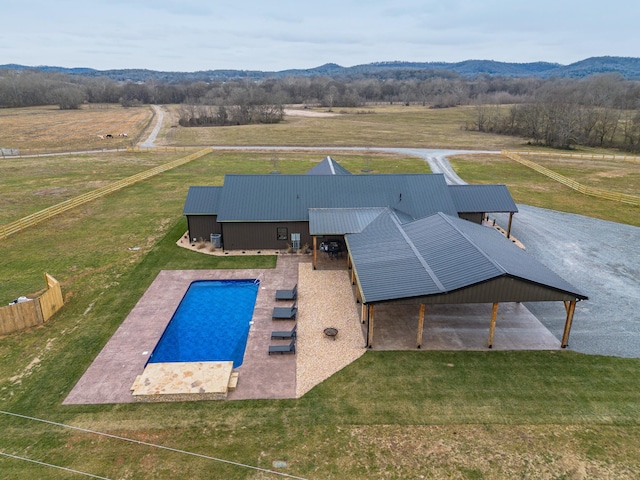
x,y
472,217
202,226
503,289
262,235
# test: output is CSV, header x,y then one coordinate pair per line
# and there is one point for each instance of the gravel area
x,y
602,260
325,299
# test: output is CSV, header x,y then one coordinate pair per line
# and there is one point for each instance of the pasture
x,y
48,129
373,126
388,415
529,187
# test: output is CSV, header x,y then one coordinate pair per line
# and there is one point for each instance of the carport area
x,y
447,279
458,327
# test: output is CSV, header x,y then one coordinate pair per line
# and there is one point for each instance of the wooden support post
x,y
567,325
353,277
363,313
509,226
315,250
370,328
349,264
492,327
420,325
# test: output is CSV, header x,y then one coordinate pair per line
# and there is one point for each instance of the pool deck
x,y
113,372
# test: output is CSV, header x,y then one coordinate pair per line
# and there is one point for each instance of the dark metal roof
x,y
271,198
338,221
437,255
328,166
482,198
202,201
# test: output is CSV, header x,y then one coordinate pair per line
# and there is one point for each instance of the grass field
x,y
380,125
48,129
392,415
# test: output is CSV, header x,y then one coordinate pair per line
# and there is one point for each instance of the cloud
x,y
192,35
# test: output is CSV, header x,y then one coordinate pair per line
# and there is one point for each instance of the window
x,y
283,233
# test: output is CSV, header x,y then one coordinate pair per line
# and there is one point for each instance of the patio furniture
x,y
281,349
285,313
287,294
284,334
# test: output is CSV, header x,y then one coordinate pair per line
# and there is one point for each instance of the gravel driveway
x,y
602,260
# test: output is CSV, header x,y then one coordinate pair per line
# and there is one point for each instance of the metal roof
x,y
338,221
272,198
328,166
482,198
202,201
437,255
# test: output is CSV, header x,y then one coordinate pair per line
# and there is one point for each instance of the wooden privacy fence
x,y
19,316
34,218
592,191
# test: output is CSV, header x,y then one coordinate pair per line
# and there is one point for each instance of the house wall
x,y
262,235
472,217
202,226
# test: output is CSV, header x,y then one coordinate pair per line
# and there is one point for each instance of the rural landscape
x,y
419,414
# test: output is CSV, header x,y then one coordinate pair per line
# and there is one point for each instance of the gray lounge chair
x,y
284,334
285,313
281,349
287,294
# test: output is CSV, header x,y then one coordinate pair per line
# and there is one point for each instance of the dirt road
x,y
150,141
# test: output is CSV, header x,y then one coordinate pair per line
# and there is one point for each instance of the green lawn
x,y
388,415
532,188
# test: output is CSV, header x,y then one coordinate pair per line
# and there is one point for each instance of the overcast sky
x,y
272,35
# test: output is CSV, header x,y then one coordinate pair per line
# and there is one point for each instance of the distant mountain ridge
x,y
628,67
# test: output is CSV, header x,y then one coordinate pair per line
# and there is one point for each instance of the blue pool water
x,y
211,323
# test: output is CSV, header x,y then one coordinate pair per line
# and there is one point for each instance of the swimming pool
x,y
211,323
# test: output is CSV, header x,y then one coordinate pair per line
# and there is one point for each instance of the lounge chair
x,y
284,334
285,313
281,349
287,294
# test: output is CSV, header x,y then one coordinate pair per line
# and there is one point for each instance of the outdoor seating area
x,y
334,249
282,349
285,313
287,294
284,334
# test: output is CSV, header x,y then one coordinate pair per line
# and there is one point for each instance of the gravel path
x,y
150,141
325,298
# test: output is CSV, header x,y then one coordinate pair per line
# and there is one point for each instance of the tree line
x,y
599,110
